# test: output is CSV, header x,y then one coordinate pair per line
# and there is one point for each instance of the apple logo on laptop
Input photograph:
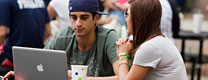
x,y
40,68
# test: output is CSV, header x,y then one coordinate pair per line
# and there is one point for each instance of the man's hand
x,y
9,76
69,75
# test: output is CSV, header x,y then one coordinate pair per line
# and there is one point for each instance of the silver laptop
x,y
39,64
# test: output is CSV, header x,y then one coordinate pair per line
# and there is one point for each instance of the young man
x,y
86,43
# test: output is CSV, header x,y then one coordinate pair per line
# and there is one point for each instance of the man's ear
x,y
97,18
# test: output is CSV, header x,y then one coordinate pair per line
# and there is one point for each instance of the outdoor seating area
x,y
191,48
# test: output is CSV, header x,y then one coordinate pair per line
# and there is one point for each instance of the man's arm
x,y
47,31
3,33
115,69
112,56
103,78
51,12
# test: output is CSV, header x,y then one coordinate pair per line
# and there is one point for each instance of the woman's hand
x,y
124,46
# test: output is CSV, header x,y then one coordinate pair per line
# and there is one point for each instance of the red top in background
x,y
121,2
1,47
6,62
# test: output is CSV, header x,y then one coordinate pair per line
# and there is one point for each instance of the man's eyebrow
x,y
80,15
72,15
85,15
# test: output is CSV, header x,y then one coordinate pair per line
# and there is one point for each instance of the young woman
x,y
154,56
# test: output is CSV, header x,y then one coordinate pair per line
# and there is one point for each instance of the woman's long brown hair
x,y
146,17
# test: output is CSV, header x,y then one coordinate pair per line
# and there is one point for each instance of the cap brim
x,y
103,13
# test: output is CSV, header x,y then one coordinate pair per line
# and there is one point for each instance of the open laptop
x,y
39,64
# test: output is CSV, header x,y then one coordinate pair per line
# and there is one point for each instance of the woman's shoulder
x,y
157,41
154,44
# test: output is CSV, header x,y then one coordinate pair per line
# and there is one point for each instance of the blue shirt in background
x,y
26,21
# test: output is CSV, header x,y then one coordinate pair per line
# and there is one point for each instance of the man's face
x,y
83,23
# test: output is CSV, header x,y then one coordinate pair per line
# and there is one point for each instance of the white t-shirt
x,y
163,58
61,8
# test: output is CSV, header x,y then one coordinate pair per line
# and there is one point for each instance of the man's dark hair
x,y
93,14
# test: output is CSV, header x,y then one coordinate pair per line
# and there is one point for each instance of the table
x,y
184,35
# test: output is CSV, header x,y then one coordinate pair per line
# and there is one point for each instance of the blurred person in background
x,y
115,9
108,19
150,60
59,9
170,22
27,24
207,8
181,4
175,22
58,13
166,20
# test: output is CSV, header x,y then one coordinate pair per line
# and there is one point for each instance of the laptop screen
x,y
39,64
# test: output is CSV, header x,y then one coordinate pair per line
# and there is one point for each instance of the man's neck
x,y
86,42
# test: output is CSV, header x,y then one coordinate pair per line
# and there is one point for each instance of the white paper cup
x,y
197,20
79,72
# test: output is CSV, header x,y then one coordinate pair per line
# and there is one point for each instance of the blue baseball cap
x,y
84,5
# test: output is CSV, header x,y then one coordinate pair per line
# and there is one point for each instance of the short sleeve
x,y
51,43
111,46
55,4
148,56
60,39
59,43
5,12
